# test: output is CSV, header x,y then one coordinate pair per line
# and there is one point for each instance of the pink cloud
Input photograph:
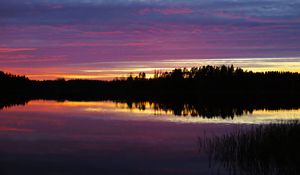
x,y
166,11
104,33
14,56
30,59
11,129
9,49
100,44
228,15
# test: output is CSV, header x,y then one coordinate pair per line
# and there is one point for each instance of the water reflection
x,y
49,137
190,109
107,137
7,103
172,112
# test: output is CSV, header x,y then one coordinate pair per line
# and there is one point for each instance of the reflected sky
x,y
70,138
108,110
107,137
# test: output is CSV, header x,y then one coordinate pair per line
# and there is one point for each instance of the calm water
x,y
49,137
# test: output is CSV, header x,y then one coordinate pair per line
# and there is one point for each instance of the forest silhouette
x,y
202,91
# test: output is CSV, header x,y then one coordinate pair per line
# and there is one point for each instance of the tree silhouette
x,y
207,82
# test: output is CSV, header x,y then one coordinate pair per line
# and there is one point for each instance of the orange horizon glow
x,y
47,40
122,69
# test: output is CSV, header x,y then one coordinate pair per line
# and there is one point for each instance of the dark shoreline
x,y
209,90
183,84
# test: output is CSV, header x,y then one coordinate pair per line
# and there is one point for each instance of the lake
x,y
106,137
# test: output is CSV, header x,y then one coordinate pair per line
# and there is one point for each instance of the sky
x,y
104,39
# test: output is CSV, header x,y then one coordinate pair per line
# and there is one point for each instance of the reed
x,y
265,149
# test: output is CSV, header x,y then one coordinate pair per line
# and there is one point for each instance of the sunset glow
x,y
108,70
106,39
121,111
157,87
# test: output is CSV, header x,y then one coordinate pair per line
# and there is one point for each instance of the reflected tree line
x,y
209,109
204,109
206,91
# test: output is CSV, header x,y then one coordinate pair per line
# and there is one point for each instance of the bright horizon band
x,y
116,69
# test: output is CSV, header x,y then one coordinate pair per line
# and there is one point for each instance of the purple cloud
x,y
46,34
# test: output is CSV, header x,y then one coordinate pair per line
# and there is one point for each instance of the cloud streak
x,y
37,33
9,49
165,11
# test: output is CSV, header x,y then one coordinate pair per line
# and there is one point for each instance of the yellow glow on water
x,y
146,111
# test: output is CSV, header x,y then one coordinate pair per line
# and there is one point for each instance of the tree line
x,y
202,91
184,84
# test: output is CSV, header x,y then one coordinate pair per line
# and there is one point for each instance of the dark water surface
x,y
49,137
